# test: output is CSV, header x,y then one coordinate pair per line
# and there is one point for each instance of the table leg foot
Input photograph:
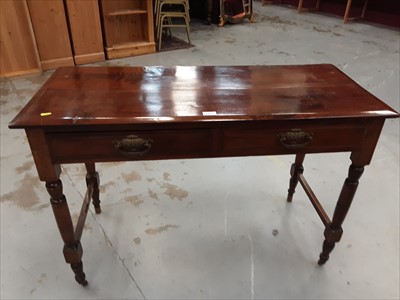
x,y
73,256
80,276
332,236
327,248
295,171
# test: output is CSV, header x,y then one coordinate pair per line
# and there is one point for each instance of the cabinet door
x,y
85,27
18,53
50,26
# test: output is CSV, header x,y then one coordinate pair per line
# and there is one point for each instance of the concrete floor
x,y
216,228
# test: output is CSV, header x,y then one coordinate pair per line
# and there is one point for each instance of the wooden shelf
x,y
126,12
131,35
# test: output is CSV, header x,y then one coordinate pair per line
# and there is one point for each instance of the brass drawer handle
x,y
133,145
295,138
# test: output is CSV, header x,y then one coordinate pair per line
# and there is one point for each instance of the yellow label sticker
x,y
45,114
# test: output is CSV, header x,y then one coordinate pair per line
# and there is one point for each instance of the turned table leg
x,y
295,171
334,231
93,176
72,247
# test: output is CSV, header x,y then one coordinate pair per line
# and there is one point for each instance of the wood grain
x,y
51,31
85,27
128,34
18,52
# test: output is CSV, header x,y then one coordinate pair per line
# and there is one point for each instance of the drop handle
x,y
132,146
295,138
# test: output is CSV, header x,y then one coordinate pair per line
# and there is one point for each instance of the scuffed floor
x,y
216,228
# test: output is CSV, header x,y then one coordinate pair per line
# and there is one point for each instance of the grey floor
x,y
216,228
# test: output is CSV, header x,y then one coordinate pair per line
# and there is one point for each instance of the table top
x,y
133,95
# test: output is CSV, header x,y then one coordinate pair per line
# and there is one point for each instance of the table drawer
x,y
285,140
129,145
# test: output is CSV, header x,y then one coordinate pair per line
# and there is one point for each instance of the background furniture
x,y
85,30
235,11
18,52
346,17
167,12
38,35
49,23
128,27
206,10
264,2
385,12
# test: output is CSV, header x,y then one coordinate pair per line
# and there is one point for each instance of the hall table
x,y
103,114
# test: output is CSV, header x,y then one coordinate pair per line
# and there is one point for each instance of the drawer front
x,y
297,139
129,145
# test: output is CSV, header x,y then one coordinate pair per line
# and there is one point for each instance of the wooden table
x,y
103,114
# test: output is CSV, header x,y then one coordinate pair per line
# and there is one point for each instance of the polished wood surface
x,y
123,95
101,114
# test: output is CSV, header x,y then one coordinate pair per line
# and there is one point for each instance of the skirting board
x,y
89,58
57,62
130,49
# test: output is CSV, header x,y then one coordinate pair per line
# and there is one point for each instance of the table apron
x,y
216,141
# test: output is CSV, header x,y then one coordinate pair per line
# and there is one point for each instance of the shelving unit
x,y
127,27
